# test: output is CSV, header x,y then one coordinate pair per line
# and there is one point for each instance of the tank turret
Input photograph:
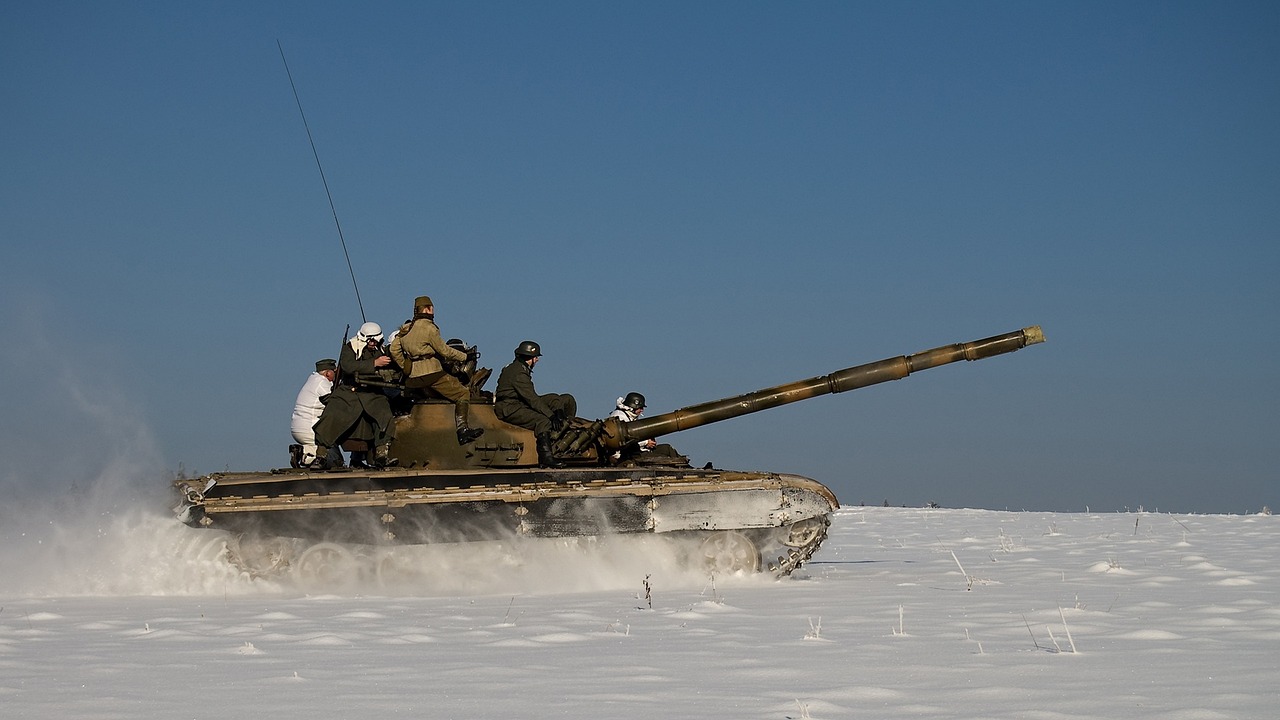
x,y
425,432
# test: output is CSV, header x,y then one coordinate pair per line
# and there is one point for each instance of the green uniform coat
x,y
353,411
517,402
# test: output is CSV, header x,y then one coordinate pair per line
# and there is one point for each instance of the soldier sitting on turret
x,y
518,403
418,349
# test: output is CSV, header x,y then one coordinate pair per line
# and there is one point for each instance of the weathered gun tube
x,y
617,434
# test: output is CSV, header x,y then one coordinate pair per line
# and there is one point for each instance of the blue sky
x,y
692,200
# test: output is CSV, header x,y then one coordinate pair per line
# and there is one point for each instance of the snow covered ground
x,y
904,613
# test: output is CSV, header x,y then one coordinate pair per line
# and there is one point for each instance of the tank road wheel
x,y
729,551
804,532
326,564
262,556
397,567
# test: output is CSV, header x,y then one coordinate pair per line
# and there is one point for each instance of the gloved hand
x,y
557,421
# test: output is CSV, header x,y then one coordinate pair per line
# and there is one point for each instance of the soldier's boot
x,y
466,435
382,457
320,461
332,459
546,458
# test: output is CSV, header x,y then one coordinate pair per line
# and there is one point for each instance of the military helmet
x,y
369,331
634,400
528,349
422,301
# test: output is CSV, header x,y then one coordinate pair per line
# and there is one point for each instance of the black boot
x,y
320,462
468,435
546,458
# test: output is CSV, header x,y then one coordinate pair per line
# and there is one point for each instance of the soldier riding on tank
x,y
358,408
420,352
629,409
518,403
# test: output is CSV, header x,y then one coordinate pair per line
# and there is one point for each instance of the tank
x,y
324,525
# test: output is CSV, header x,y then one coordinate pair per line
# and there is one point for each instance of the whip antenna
x,y
323,180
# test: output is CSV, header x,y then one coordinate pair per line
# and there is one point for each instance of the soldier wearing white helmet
x,y
369,331
358,408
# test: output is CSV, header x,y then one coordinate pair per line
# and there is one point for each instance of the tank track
x,y
786,564
275,557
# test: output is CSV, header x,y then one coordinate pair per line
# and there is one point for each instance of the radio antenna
x,y
323,180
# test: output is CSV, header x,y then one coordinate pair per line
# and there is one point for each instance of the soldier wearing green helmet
x,y
517,402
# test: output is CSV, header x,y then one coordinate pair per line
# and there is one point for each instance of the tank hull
x,y
776,521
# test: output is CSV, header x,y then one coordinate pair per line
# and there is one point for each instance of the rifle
x,y
337,377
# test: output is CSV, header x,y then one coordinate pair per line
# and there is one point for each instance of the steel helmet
x,y
634,400
369,331
528,349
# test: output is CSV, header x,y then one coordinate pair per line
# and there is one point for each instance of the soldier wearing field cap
x,y
419,350
307,409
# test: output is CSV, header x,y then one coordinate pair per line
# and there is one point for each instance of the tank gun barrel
x,y
618,434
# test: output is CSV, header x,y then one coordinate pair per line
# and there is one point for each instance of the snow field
x,y
904,613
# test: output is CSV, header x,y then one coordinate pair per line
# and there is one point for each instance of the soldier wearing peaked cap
x,y
418,348
306,411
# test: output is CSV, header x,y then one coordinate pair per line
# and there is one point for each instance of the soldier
x,y
518,403
418,348
358,409
306,411
629,409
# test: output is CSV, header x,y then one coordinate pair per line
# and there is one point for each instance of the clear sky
x,y
692,200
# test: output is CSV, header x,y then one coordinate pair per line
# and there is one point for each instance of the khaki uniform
x,y
418,348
